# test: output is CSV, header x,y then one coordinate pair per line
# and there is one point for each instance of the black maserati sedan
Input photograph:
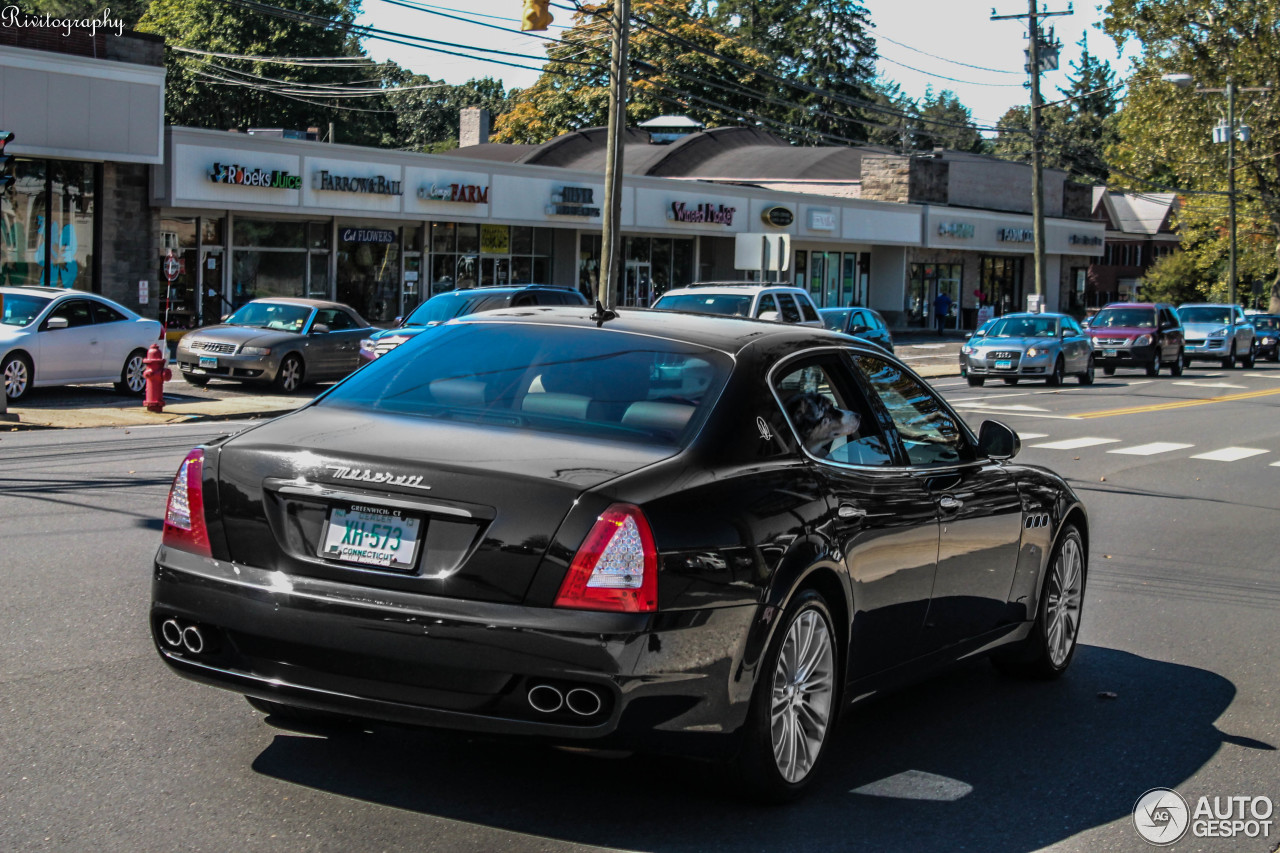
x,y
635,529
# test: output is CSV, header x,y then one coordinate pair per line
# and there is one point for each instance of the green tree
x,y
221,92
895,124
945,122
1164,133
427,119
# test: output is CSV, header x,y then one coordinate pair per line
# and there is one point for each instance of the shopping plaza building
x,y
106,195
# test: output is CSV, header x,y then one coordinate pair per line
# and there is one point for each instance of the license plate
x,y
1109,353
208,361
383,538
1004,365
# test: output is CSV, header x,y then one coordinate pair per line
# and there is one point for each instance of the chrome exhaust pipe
x,y
546,699
583,702
192,639
171,633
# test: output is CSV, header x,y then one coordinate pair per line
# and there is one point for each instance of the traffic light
x,y
536,15
6,161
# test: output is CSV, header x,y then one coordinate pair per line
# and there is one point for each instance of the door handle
x,y
950,503
851,511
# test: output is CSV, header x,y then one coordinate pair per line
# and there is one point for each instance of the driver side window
x,y
830,416
930,434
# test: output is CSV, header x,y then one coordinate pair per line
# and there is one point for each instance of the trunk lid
x,y
482,503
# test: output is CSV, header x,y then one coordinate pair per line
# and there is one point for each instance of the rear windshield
x,y
1131,318
1205,314
553,379
446,306
1266,324
728,304
20,309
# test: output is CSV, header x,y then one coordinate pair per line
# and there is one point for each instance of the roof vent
x,y
664,130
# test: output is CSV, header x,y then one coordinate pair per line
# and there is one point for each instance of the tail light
x,y
184,526
617,566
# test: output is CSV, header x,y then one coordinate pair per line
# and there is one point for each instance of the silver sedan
x,y
1029,346
284,342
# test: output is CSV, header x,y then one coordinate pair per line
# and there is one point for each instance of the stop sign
x,y
171,268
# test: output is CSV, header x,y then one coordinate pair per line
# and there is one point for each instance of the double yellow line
x,y
1179,404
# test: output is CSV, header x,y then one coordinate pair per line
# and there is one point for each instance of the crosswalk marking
x,y
1151,449
1075,443
1229,454
1031,436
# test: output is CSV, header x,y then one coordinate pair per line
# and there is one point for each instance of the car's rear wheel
x,y
1153,369
133,379
1055,378
1086,378
1230,361
1048,650
795,704
1252,358
291,373
1175,367
977,381
16,371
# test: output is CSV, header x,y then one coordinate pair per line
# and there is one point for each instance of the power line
x,y
880,37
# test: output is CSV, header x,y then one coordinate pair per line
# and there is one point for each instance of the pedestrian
x,y
941,308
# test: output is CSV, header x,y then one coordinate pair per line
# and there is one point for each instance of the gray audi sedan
x,y
1029,346
285,342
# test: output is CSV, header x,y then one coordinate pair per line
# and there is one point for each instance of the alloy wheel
x,y
135,374
16,378
290,374
1062,624
803,690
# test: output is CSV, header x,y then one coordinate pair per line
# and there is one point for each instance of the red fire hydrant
x,y
156,373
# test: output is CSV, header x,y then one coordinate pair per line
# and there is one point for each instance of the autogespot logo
x,y
1161,816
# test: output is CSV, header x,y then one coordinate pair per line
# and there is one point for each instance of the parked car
x,y
285,342
1267,327
1216,332
861,323
1145,335
779,303
673,532
53,336
459,303
1029,346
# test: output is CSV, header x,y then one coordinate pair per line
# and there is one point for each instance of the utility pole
x,y
1231,189
1034,60
610,240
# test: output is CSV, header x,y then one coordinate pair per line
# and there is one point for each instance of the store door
x,y
495,271
638,286
213,304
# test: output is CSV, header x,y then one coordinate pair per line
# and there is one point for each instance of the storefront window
x,y
71,187
369,272
467,255
279,258
802,268
179,306
47,224
269,234
1001,285
925,283
258,274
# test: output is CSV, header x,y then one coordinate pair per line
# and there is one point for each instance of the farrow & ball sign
x,y
377,185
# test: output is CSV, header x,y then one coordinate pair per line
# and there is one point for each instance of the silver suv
x,y
1217,332
776,302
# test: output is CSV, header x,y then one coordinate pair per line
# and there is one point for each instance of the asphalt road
x,y
1175,684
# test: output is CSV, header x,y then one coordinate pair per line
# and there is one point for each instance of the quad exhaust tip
x,y
192,639
583,702
171,633
546,699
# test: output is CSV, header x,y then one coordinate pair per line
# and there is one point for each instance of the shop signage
x,y
779,216
1085,240
467,193
822,220
959,230
573,201
1016,235
377,185
714,213
367,235
495,240
227,173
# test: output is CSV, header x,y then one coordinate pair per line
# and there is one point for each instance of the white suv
x,y
776,302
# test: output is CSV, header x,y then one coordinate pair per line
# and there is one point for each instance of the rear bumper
x,y
455,664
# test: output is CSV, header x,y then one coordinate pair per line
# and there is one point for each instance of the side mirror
x,y
997,441
771,316
56,323
859,330
397,323
319,329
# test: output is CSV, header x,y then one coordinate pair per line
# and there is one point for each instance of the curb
x,y
181,419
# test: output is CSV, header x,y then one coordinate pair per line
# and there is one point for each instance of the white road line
x,y
995,408
1038,415
1230,454
918,357
1133,382
1152,448
1268,375
1032,436
923,346
1275,464
916,785
1075,443
1209,384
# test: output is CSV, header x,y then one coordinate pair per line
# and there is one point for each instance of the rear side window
x,y
806,308
830,417
728,304
767,304
78,312
585,382
106,314
790,313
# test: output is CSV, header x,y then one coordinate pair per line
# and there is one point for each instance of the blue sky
x,y
929,36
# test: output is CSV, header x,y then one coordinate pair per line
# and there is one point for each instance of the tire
x,y
976,381
17,374
1229,362
778,760
197,381
1086,378
1108,371
1011,381
1153,369
292,373
1048,649
1275,354
1054,380
133,380
1175,367
1252,358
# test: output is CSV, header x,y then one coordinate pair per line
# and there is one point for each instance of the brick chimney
x,y
474,129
